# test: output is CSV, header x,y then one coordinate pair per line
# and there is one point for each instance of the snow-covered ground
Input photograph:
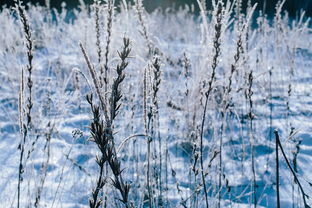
x,y
278,52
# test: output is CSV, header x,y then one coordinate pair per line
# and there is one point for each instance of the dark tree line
x,y
292,6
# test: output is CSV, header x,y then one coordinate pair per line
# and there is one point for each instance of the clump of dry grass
x,y
102,134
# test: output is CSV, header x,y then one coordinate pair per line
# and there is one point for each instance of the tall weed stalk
x,y
25,126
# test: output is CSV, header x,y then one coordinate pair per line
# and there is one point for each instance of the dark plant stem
x,y
277,171
216,44
147,120
45,164
201,149
304,195
155,87
249,94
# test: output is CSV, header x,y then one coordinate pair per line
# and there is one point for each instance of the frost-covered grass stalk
x,y
216,51
144,31
151,86
249,94
96,82
147,115
238,13
156,130
109,26
25,126
98,33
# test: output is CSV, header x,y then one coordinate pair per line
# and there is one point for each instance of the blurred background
x,y
292,6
